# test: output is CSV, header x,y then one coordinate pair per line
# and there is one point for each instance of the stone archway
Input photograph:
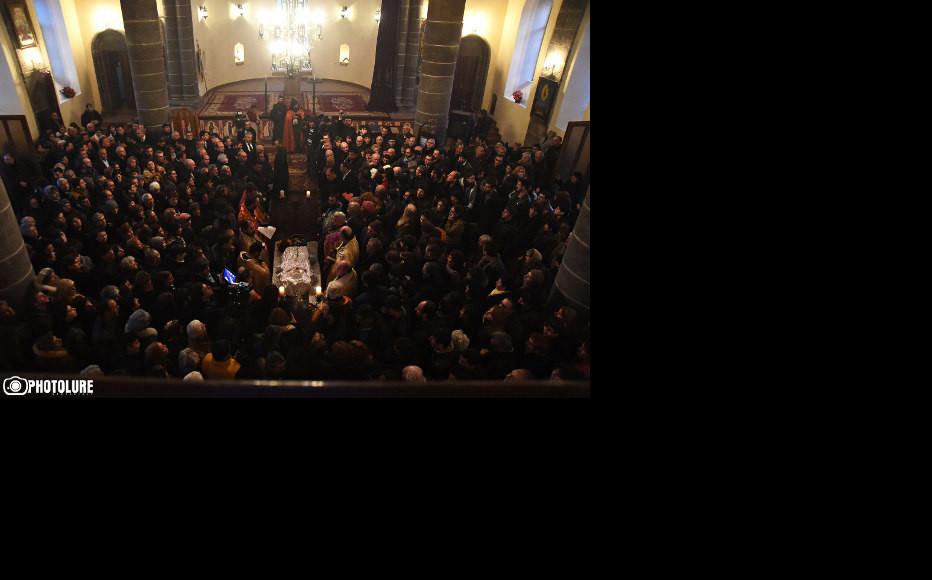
x,y
472,69
114,77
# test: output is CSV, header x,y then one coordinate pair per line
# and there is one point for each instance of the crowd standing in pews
x,y
438,260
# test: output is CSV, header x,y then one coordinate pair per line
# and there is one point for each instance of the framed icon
x,y
544,98
21,25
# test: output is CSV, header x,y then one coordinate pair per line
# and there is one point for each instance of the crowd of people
x,y
437,260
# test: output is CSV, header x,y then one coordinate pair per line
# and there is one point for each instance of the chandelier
x,y
290,37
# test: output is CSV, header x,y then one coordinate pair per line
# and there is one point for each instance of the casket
x,y
296,269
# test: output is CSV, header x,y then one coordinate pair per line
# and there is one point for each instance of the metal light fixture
x,y
240,9
378,16
344,11
202,11
261,30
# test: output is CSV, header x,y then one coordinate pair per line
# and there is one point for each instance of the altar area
x,y
296,219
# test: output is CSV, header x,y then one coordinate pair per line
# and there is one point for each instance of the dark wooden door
x,y
472,67
467,69
114,77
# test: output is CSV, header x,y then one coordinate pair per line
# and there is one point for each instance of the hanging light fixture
x,y
291,47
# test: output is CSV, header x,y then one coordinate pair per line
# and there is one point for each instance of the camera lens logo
x,y
15,386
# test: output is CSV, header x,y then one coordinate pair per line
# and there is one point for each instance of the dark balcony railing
x,y
141,387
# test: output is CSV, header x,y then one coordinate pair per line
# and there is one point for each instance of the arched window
x,y
531,30
55,35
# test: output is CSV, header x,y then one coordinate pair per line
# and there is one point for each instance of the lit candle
x,y
317,289
307,194
281,291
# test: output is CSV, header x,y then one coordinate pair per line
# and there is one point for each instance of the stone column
x,y
147,60
172,64
384,73
16,273
409,50
187,52
572,282
441,44
180,53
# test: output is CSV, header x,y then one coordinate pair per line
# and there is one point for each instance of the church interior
x,y
295,197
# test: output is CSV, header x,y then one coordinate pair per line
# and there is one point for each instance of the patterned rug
x,y
229,103
333,103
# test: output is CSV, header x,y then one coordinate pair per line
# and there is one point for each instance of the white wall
x,y
71,109
13,85
572,102
9,85
486,18
217,35
513,118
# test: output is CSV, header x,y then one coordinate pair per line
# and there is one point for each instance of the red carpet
x,y
229,103
347,102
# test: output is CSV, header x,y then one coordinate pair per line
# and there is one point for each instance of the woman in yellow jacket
x,y
219,364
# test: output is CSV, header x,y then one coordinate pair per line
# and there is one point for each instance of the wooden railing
x,y
14,134
141,387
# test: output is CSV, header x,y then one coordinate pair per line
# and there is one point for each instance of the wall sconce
x,y
261,30
378,16
320,32
344,11
240,9
553,65
344,54
239,53
202,11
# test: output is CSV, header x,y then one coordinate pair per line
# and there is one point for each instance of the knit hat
x,y
138,324
196,330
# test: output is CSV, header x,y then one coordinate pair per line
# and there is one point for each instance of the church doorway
x,y
42,97
472,68
114,77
